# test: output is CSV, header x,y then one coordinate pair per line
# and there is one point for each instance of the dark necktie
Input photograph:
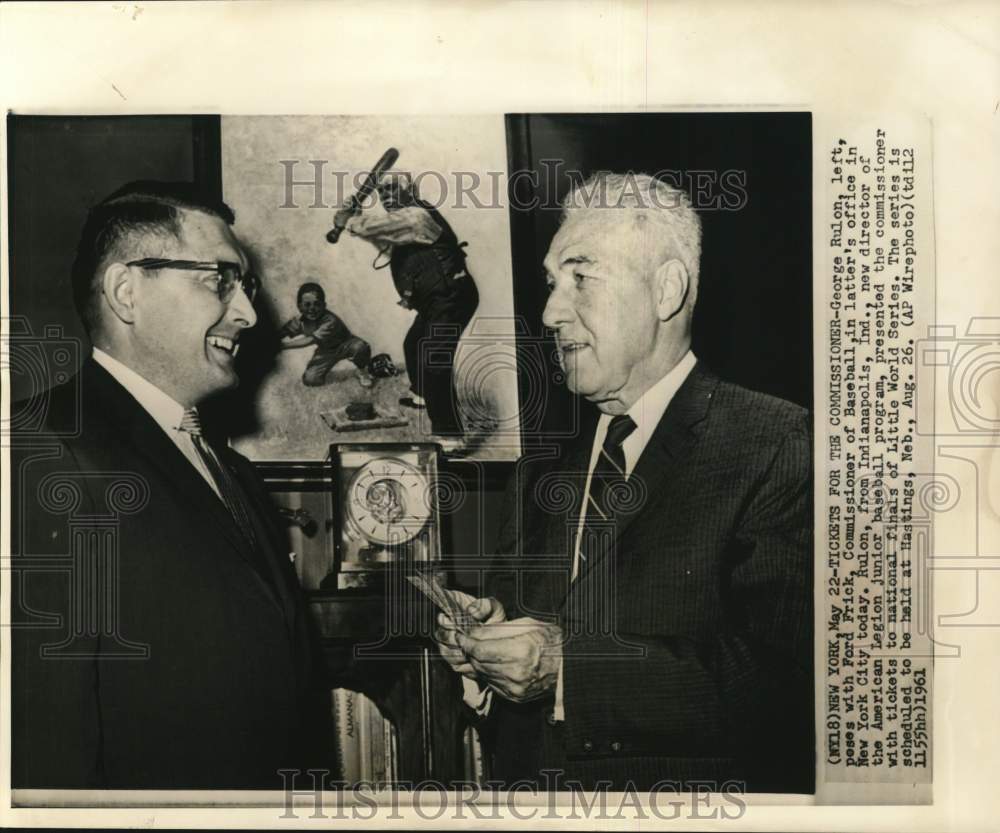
x,y
229,489
607,478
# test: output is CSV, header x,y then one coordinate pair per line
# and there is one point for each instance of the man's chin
x,y
232,379
577,382
576,387
589,391
223,378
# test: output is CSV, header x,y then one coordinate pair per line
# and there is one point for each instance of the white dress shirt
x,y
164,410
646,412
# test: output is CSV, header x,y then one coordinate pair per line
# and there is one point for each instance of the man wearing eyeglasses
x,y
165,644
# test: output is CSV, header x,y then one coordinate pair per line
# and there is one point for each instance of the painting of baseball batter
x,y
429,272
386,282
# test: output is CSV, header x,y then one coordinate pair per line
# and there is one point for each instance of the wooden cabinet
x,y
377,641
402,673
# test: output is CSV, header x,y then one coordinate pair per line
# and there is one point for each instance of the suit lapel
x,y
561,526
141,432
273,549
672,441
569,477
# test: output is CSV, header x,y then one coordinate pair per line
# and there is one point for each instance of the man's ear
x,y
671,284
118,290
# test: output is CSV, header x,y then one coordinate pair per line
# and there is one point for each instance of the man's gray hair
x,y
650,198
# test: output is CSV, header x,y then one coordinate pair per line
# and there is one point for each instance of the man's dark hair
x,y
315,288
145,208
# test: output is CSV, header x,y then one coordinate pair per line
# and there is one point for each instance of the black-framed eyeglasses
x,y
229,275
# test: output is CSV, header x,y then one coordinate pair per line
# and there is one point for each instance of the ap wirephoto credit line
x,y
880,489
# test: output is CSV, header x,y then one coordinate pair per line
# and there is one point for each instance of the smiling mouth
x,y
227,345
568,349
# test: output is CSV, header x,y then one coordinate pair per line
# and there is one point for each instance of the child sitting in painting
x,y
334,342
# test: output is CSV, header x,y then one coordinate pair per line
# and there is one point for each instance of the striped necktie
x,y
607,477
229,489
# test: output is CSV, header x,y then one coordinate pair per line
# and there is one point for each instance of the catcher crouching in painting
x,y
317,325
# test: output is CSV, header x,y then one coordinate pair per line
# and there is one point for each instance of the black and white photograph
x,y
449,415
656,532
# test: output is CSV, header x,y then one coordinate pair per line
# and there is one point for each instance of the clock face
x,y
388,501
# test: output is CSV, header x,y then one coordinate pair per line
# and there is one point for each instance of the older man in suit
x,y
159,637
655,629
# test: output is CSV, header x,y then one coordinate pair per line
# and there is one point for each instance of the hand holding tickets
x,y
460,614
452,603
517,658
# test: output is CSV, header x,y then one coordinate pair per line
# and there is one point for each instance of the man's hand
x,y
518,658
483,611
342,217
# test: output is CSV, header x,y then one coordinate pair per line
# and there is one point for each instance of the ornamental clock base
x,y
385,511
362,522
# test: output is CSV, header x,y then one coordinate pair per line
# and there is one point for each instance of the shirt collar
x,y
162,408
647,411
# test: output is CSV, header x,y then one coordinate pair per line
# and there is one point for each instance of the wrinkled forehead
x,y
609,236
207,237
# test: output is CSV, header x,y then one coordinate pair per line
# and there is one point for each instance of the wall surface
x,y
59,166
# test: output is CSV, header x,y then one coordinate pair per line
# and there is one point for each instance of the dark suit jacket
x,y
150,652
689,653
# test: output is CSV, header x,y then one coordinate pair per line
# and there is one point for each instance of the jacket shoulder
x,y
56,412
752,413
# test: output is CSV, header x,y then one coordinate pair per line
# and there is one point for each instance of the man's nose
x,y
558,310
241,309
